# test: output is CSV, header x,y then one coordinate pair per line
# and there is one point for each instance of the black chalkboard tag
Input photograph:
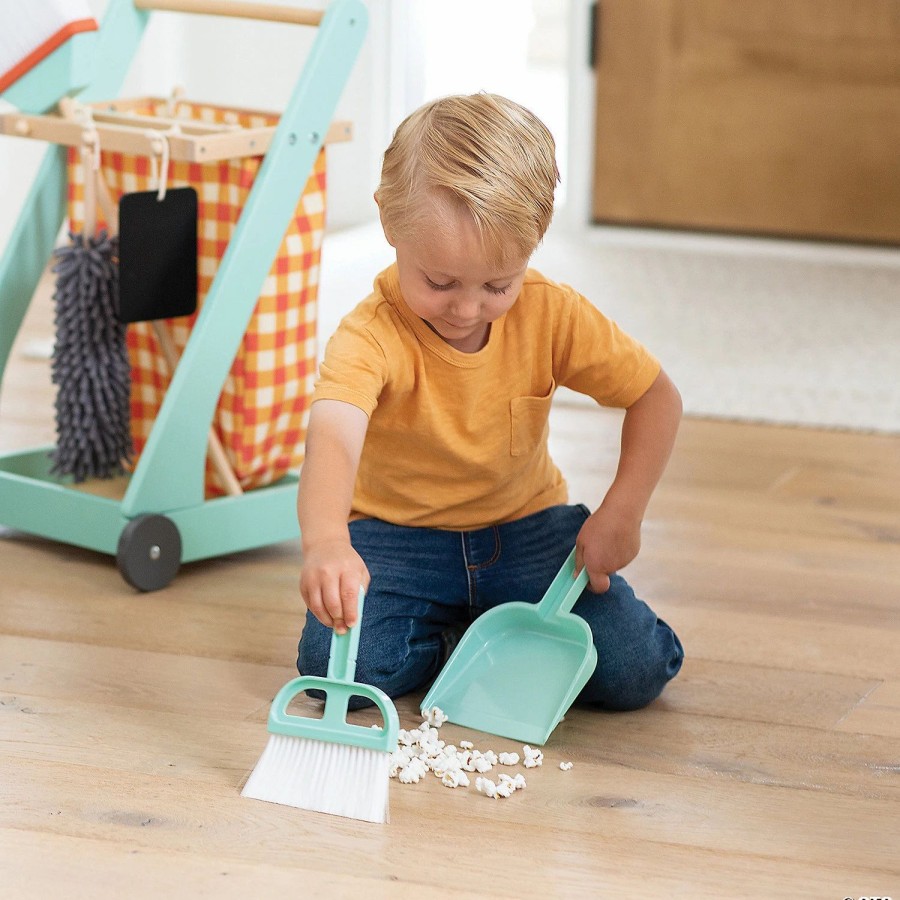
x,y
157,255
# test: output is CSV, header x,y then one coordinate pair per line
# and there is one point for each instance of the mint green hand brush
x,y
327,764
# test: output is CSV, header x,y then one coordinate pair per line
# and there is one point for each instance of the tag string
x,y
159,160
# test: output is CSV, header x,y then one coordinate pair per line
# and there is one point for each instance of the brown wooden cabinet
x,y
764,116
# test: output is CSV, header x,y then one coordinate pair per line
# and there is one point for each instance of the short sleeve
x,y
354,369
599,359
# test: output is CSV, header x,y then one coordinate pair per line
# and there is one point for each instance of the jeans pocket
x,y
529,422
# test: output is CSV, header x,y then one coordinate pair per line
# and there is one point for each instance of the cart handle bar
x,y
267,12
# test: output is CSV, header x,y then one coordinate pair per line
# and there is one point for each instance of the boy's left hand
x,y
607,542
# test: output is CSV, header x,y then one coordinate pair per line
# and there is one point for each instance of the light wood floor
x,y
769,768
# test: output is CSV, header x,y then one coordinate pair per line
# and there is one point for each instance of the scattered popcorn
x,y
565,766
435,716
420,751
507,785
533,757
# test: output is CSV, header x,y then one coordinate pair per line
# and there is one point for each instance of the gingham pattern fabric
x,y
262,411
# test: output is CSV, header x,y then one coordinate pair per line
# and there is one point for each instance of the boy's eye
x,y
439,287
498,290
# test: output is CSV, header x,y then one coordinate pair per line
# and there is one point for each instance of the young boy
x,y
427,477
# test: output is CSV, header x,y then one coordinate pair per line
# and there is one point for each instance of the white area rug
x,y
769,331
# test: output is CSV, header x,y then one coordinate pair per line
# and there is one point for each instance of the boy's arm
x,y
611,537
332,570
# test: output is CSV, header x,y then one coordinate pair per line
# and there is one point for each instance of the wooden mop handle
x,y
266,12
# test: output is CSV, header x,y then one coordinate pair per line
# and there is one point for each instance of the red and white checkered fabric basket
x,y
262,411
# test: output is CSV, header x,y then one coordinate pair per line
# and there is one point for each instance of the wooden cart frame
x,y
163,518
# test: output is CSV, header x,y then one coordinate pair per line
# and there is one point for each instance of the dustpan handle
x,y
565,589
342,656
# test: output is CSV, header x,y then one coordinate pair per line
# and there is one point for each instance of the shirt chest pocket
x,y
529,422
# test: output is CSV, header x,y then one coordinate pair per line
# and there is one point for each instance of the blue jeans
x,y
425,582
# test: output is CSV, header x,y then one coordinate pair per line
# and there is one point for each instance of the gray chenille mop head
x,y
90,362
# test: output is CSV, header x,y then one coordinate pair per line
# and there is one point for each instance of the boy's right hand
x,y
330,580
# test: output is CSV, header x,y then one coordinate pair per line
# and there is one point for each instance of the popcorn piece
x,y
505,789
451,779
409,775
508,759
565,766
412,772
513,783
481,764
486,786
466,745
533,757
490,756
435,716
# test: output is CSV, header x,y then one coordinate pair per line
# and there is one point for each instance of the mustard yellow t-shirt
x,y
459,440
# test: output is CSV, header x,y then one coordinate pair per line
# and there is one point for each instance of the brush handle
x,y
344,647
339,688
565,590
333,725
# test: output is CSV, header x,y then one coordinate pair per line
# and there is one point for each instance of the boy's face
x,y
447,280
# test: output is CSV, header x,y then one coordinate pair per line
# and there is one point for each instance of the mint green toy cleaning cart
x,y
163,519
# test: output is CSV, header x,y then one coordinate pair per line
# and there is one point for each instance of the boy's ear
x,y
387,232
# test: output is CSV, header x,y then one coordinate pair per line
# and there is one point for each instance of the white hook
x,y
159,160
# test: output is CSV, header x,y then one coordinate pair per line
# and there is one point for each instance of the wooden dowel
x,y
108,206
266,12
217,455
90,191
132,139
162,123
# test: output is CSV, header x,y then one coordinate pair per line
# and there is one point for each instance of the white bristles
x,y
322,776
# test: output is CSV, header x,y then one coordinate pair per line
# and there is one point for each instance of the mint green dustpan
x,y
339,687
520,666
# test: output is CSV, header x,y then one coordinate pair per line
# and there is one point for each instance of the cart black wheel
x,y
149,552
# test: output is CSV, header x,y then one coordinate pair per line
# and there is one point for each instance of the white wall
x,y
576,216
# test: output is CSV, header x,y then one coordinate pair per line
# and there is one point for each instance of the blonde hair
x,y
487,156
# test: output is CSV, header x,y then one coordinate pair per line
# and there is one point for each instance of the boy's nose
x,y
467,308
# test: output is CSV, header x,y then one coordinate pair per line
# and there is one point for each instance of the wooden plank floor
x,y
770,766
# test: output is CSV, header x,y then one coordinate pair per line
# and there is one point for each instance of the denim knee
x,y
637,652
628,682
